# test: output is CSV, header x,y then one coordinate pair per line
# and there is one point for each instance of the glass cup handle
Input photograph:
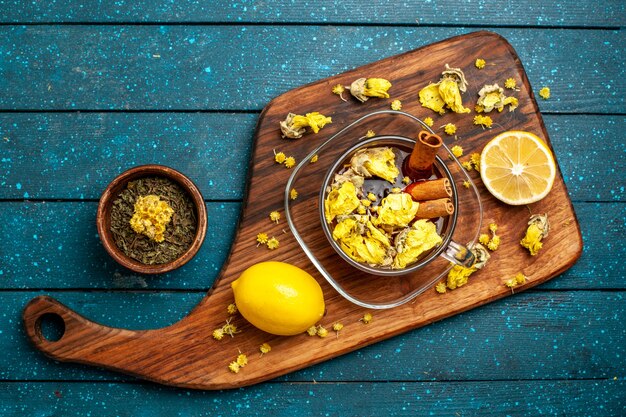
x,y
459,254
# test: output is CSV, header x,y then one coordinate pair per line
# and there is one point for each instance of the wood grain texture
x,y
177,355
394,399
450,12
50,155
537,334
227,67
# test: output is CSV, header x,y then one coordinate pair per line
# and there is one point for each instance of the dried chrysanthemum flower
x,y
450,129
261,238
272,243
365,202
290,162
447,92
457,151
265,348
467,165
294,126
232,309
396,105
364,88
230,329
428,121
451,95
314,159
293,194
494,243
396,190
234,367
491,96
339,89
275,216
478,108
538,228
279,157
545,93
466,184
367,318
512,102
493,227
361,210
484,239
218,334
337,327
458,276
440,287
475,158
370,134
321,331
484,121
518,279
311,331
371,197
242,360
406,180
480,63
510,83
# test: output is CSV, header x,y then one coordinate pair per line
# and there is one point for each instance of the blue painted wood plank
x,y
55,245
243,67
533,335
393,399
450,12
51,155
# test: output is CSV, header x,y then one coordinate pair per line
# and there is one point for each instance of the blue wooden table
x,y
89,89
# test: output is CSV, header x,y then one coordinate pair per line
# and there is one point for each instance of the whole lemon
x,y
279,298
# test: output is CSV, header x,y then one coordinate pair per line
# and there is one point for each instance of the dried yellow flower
x,y
231,309
279,157
518,279
406,180
261,238
429,121
321,331
510,83
545,93
275,216
290,162
450,129
234,367
314,159
293,194
431,99
484,121
151,216
457,151
242,360
467,165
294,126
480,63
493,227
230,329
361,210
478,108
339,89
483,239
370,134
396,105
538,228
451,95
440,287
367,318
512,102
311,331
396,190
494,243
272,243
218,334
337,327
371,197
491,96
366,202
466,184
475,158
458,276
364,88
265,348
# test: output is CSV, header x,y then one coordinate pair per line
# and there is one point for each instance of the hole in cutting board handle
x,y
50,327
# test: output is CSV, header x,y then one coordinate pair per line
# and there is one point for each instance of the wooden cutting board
x,y
185,354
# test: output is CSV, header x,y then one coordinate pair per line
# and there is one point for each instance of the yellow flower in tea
x,y
457,151
151,216
510,83
370,134
341,201
275,216
363,243
396,105
538,228
272,243
429,121
294,126
545,93
406,180
371,197
364,88
450,129
290,162
339,89
411,243
279,157
484,121
379,162
430,98
396,210
480,63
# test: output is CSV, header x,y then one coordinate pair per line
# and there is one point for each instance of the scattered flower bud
x,y
279,157
290,162
364,88
538,228
370,134
234,367
311,331
218,334
265,348
510,83
293,194
367,318
480,63
518,279
231,309
406,180
337,327
275,216
339,89
484,121
242,360
440,287
314,159
457,151
321,331
272,243
466,184
294,126
261,238
545,93
429,121
450,129
396,105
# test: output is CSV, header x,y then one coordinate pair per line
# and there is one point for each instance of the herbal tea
x,y
153,220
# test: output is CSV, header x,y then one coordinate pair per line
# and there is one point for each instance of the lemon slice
x,y
517,167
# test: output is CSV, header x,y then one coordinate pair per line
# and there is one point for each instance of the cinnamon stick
x,y
435,208
430,190
419,165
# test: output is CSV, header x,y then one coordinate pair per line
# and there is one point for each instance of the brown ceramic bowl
x,y
103,218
